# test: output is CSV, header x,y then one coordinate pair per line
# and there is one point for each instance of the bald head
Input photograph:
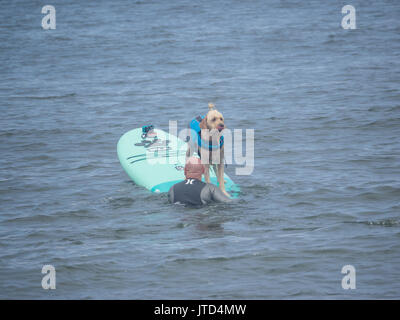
x,y
194,169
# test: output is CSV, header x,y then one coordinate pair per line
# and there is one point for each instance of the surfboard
x,y
156,160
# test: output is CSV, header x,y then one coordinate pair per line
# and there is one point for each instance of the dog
x,y
206,134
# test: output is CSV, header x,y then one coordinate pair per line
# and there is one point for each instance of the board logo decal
x,y
158,148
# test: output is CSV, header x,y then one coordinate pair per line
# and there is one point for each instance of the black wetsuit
x,y
196,193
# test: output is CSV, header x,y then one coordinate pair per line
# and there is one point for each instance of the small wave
x,y
41,132
120,202
392,122
61,38
86,167
163,42
383,223
395,108
43,157
30,132
44,97
330,41
325,215
300,228
211,259
375,109
380,192
302,204
318,118
50,217
72,241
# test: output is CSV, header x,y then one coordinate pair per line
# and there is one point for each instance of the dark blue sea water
x,y
325,106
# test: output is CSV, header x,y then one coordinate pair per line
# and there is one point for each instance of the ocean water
x,y
325,191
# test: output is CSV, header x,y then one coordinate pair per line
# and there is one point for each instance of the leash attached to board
x,y
146,130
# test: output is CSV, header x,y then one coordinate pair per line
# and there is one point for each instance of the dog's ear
x,y
203,123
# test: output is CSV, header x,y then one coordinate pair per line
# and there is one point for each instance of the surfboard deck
x,y
156,162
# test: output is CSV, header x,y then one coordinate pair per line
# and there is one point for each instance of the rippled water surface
x,y
325,190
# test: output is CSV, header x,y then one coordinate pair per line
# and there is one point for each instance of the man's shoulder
x,y
209,189
178,183
189,181
192,181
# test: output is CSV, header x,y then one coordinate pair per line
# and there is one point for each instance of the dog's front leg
x,y
220,177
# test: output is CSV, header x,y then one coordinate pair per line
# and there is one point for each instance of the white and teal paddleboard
x,y
156,161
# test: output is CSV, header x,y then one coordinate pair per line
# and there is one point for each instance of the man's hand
x,y
226,193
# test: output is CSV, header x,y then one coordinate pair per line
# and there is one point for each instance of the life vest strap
x,y
195,126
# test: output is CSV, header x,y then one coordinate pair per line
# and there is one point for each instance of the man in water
x,y
192,190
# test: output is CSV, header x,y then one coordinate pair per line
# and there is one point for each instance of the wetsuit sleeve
x,y
171,195
212,193
219,196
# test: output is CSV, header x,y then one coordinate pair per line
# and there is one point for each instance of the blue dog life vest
x,y
196,135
